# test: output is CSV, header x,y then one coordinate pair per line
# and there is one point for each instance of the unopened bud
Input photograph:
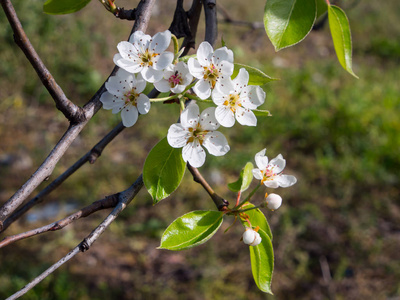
x,y
274,201
251,237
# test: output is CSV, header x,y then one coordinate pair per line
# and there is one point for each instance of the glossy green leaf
x,y
288,22
322,7
257,218
61,7
262,262
163,170
261,113
245,178
191,229
340,31
257,77
186,58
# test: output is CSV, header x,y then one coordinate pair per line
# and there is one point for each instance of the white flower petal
x,y
151,75
286,180
225,87
139,83
279,163
257,174
143,104
178,89
261,159
139,37
161,41
128,51
162,86
204,53
129,115
226,68
225,116
256,95
222,54
241,80
194,154
271,183
177,136
195,68
190,116
128,65
216,143
164,60
182,68
245,117
117,86
202,89
108,100
217,96
208,120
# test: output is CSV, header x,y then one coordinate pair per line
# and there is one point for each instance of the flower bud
x,y
251,237
274,201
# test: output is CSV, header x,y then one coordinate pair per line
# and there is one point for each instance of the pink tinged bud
x,y
274,201
251,237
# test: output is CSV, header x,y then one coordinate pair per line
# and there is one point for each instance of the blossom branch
x,y
194,16
210,11
219,202
124,198
47,167
70,110
228,19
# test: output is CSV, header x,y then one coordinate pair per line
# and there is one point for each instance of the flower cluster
x,y
145,59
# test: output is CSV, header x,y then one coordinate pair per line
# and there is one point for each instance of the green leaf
x,y
340,31
191,229
261,113
186,58
257,218
245,178
257,77
322,7
287,22
262,262
61,7
223,44
163,170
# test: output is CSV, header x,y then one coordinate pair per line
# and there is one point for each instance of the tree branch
x,y
219,202
210,11
194,16
47,167
124,198
228,19
70,110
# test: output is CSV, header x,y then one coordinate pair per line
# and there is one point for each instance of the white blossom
x,y
236,99
251,237
146,55
273,201
175,78
270,173
210,67
194,131
124,94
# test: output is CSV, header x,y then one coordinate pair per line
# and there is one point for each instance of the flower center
x,y
197,134
233,101
131,97
211,73
268,174
175,79
147,58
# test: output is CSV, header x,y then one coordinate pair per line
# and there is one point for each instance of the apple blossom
x,y
194,131
210,67
146,55
235,98
175,78
251,237
270,173
124,94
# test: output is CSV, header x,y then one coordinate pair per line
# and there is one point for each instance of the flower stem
x,y
165,98
248,197
193,97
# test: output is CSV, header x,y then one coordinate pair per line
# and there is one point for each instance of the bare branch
x,y
125,14
219,202
47,167
70,110
108,202
228,19
125,198
194,16
210,11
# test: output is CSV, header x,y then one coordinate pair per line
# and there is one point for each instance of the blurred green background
x,y
340,137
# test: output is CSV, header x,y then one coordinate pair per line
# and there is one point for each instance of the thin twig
x,y
228,19
210,11
125,198
219,202
194,16
70,110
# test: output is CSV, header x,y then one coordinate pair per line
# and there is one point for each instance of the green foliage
x,y
245,178
287,22
340,30
256,76
262,113
262,262
61,7
256,218
163,170
191,229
